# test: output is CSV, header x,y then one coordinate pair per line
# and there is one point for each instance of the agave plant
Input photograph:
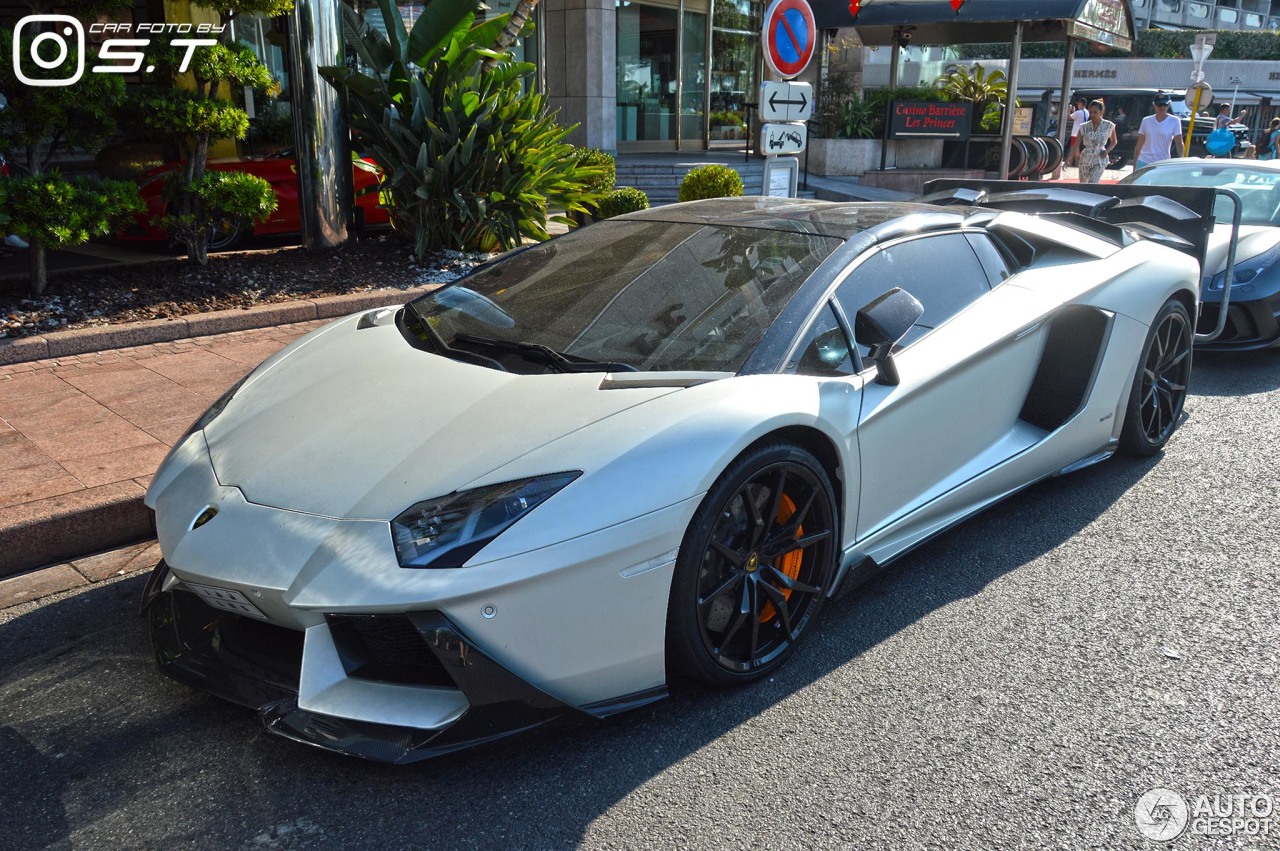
x,y
469,159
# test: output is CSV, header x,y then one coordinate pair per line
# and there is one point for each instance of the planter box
x,y
843,157
856,157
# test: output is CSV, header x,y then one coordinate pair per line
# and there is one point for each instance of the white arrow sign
x,y
782,101
783,138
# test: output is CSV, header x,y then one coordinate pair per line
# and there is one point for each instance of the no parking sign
x,y
789,36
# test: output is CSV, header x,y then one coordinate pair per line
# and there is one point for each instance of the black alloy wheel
x,y
754,567
1160,386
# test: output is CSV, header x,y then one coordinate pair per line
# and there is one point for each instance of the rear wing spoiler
x,y
1180,217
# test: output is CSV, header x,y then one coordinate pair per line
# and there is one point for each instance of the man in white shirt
x,y
1156,134
1079,116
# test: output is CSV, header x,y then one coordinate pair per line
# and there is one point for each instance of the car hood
x,y
358,424
1254,240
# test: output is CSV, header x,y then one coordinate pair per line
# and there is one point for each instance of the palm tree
x,y
519,17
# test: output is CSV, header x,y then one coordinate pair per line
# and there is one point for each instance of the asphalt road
x,y
1019,682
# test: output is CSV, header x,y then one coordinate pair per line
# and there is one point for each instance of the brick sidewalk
x,y
90,570
86,432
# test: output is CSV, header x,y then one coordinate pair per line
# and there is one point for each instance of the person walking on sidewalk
x,y
1267,147
1224,119
1094,142
1156,134
1079,116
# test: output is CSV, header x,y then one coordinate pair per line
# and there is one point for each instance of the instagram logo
x,y
66,27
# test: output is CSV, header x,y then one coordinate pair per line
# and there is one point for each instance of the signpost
x,y
783,138
1199,53
786,101
789,36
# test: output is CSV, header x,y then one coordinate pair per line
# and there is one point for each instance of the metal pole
x,y
1067,67
1191,125
707,63
680,76
321,139
1011,100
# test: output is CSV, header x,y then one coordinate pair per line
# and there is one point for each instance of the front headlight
x,y
449,530
1248,270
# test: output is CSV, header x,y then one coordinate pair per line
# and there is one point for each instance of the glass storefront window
x,y
693,68
647,68
735,39
741,15
733,78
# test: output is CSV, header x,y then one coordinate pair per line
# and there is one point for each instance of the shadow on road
x,y
1235,373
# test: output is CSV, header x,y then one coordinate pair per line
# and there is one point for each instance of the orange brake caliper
x,y
788,563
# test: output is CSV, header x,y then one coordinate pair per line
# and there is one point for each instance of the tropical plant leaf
x,y
442,22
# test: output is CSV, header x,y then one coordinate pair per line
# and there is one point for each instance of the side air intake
x,y
1067,367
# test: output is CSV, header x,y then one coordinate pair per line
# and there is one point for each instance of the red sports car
x,y
282,173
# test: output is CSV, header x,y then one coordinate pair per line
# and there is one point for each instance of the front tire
x,y
1160,385
754,567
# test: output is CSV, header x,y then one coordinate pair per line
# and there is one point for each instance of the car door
x,y
964,373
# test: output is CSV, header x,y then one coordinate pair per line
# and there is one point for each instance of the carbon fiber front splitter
x,y
257,665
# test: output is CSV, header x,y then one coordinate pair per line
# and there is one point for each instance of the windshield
x,y
656,296
1258,188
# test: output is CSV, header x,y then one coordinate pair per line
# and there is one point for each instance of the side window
x,y
825,351
998,268
941,271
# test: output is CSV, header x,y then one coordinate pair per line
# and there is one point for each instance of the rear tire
x,y
754,567
1160,384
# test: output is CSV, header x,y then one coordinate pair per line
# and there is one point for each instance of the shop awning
x,y
882,22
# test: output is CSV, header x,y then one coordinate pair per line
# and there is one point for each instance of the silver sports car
x,y
650,448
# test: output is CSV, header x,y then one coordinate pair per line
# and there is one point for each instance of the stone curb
x,y
50,531
84,340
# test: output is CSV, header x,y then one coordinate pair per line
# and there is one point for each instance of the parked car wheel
x,y
754,567
1160,386
224,235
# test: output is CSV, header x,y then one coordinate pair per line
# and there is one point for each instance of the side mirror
x,y
881,323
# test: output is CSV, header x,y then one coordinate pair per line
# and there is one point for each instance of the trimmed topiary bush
x,y
710,181
52,213
624,199
596,158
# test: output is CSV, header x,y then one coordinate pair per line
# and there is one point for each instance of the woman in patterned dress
x,y
1096,139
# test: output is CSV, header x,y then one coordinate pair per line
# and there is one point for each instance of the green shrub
x,y
727,119
624,199
50,212
596,158
710,181
470,159
224,200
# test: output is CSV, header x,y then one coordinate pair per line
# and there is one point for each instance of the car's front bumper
x,y
1253,320
440,692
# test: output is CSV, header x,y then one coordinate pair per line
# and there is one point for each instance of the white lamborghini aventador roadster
x,y
653,446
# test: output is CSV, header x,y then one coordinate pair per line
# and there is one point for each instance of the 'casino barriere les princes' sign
x,y
926,120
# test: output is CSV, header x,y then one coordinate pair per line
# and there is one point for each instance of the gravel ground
x,y
168,288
